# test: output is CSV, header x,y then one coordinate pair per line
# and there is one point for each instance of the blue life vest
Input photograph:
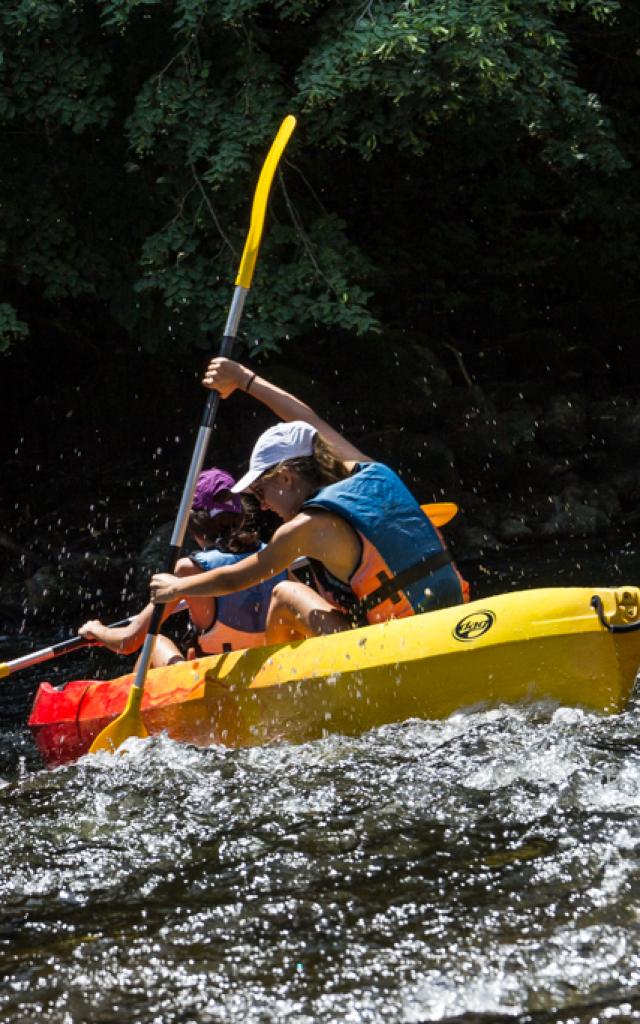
x,y
405,567
241,617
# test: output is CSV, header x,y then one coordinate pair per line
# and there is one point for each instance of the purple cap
x,y
213,493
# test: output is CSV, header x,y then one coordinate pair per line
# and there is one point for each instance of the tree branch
x,y
214,216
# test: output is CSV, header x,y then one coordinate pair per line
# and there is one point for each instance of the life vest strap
x,y
392,584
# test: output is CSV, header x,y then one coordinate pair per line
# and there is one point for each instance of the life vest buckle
x,y
393,596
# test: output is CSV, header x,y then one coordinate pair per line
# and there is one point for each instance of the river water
x,y
482,868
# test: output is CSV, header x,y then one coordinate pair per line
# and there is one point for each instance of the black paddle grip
x,y
78,642
213,400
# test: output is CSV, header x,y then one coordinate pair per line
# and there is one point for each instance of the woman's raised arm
x,y
226,376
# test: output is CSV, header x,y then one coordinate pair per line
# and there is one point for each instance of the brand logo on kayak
x,y
473,626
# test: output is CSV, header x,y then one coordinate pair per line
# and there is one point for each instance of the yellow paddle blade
x,y
4,670
259,208
441,512
129,723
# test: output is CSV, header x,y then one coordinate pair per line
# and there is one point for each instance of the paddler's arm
x,y
226,376
123,639
288,543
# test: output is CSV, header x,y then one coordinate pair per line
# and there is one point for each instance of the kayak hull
x,y
521,647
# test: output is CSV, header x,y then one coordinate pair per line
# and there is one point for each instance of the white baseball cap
x,y
284,441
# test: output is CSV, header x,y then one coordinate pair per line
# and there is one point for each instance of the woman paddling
x,y
374,553
220,528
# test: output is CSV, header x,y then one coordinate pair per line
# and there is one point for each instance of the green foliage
x,y
415,65
134,131
52,76
11,329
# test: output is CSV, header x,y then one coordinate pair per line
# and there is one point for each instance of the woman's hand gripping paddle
x,y
76,643
130,723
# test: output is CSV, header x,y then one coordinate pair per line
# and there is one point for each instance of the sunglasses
x,y
258,488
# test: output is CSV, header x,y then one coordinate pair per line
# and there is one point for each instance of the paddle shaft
x,y
130,724
76,643
195,468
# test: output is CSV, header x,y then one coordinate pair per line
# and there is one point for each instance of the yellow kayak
x,y
576,646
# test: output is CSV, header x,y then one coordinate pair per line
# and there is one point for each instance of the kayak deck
x,y
523,646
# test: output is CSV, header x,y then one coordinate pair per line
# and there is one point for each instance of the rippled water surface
x,y
481,868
